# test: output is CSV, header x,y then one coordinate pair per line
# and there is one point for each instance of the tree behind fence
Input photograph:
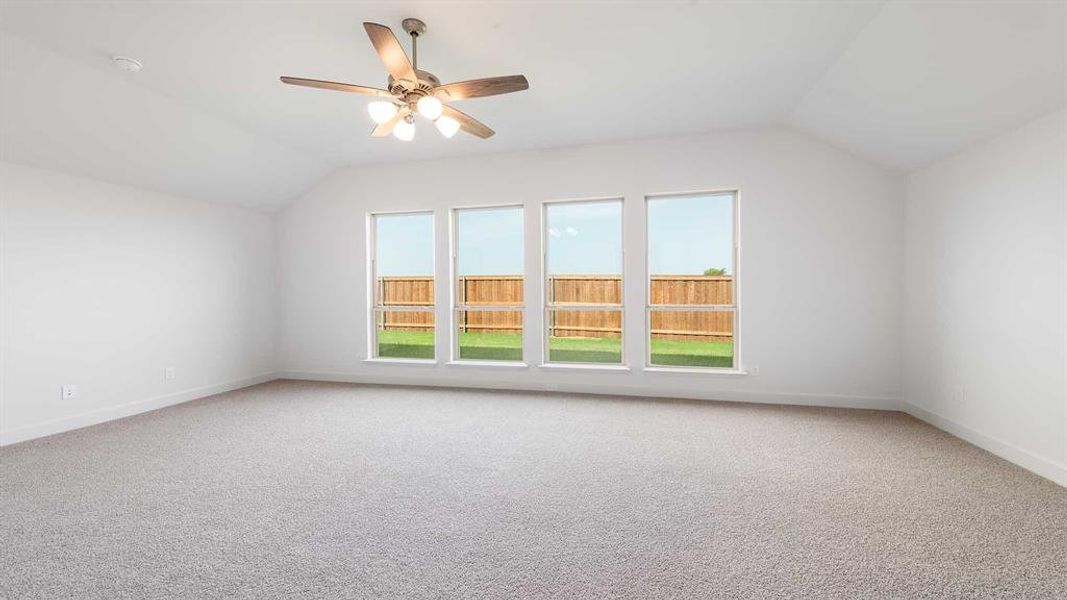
x,y
507,290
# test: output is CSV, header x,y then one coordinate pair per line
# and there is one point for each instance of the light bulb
x,y
404,131
447,126
429,107
381,111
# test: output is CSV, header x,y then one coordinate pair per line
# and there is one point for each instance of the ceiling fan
x,y
412,91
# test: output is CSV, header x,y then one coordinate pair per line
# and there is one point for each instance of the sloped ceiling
x,y
901,84
924,80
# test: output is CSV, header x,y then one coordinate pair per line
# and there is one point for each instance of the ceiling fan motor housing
x,y
427,82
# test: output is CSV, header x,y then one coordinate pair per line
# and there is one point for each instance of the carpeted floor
x,y
315,490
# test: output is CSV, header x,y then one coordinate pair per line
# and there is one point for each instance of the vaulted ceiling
x,y
899,83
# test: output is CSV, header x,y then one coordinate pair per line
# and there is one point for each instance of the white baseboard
x,y
1040,465
110,413
771,397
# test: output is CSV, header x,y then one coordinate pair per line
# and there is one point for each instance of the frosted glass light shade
x,y
381,112
404,131
429,107
447,126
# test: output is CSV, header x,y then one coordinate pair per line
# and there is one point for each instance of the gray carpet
x,y
313,490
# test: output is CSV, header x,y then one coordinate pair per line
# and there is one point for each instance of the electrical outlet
x,y
168,373
69,392
753,370
959,394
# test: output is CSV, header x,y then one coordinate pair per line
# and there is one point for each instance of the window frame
x,y
548,306
372,284
457,306
734,307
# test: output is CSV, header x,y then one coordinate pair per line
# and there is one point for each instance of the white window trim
x,y
734,368
547,307
457,307
492,364
372,283
567,366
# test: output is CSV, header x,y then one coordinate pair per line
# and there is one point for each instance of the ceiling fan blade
x,y
340,87
477,88
392,54
386,128
468,123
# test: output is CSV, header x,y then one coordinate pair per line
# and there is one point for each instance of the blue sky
x,y
686,236
405,244
584,238
690,234
489,241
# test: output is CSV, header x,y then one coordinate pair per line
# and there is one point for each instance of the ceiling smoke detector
x,y
127,64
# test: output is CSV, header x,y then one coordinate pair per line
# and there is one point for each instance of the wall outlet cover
x,y
69,392
168,373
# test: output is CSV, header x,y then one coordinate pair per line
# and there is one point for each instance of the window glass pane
x,y
404,260
489,256
404,334
692,338
690,250
404,267
584,252
489,334
584,336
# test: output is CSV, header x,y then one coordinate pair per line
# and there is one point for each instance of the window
x,y
692,293
583,281
488,266
402,268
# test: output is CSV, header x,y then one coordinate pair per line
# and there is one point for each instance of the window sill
x,y
584,367
492,364
410,362
695,370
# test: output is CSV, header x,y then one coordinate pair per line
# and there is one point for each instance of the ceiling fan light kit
x,y
411,91
447,126
381,111
430,107
404,130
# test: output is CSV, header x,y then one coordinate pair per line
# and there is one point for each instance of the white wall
x,y
986,303
103,286
820,277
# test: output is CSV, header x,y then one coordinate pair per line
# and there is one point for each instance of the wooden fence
x,y
507,290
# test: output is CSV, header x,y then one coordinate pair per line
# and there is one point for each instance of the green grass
x,y
490,346
508,346
405,344
685,353
585,350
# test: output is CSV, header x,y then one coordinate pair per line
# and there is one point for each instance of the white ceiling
x,y
901,84
924,80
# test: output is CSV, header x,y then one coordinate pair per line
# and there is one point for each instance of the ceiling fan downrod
x,y
415,28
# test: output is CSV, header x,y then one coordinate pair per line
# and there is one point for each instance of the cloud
x,y
554,232
571,231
